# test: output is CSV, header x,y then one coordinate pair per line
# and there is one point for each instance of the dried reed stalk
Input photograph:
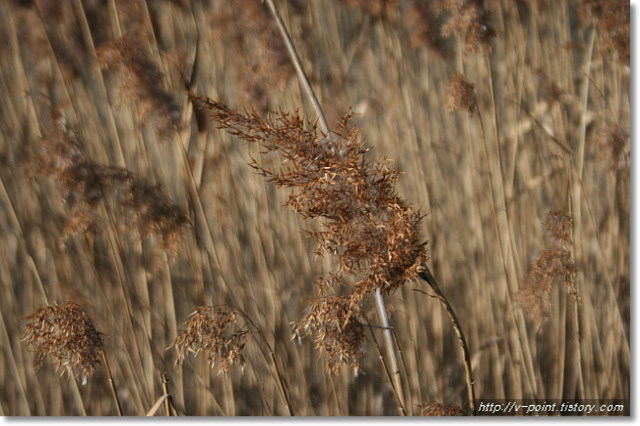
x,y
165,389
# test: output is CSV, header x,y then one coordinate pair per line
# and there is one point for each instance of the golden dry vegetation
x,y
134,233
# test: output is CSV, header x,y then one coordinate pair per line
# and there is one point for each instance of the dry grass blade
x,y
162,400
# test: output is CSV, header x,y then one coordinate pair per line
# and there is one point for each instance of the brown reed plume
x,y
469,20
264,68
141,82
549,90
610,142
208,331
339,332
435,408
375,8
422,19
373,233
83,184
65,331
419,17
613,18
552,263
460,95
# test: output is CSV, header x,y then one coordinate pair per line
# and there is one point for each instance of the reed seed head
x,y
558,225
339,335
553,263
141,82
375,8
470,21
83,184
547,87
373,234
613,18
65,331
422,19
207,331
435,408
610,142
460,95
264,67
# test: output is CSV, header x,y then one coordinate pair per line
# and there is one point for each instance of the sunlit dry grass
x,y
116,193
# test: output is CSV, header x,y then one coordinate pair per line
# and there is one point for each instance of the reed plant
x,y
133,230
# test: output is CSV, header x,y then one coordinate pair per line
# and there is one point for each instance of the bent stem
x,y
295,59
428,277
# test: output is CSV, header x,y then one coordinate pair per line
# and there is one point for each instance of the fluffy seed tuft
x,y
435,408
83,184
470,21
64,331
207,331
339,334
460,95
555,262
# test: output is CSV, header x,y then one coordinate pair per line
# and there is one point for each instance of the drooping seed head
x,y
65,332
207,331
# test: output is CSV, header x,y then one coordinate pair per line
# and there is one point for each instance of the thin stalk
x,y
391,350
100,82
405,375
112,382
524,343
577,195
386,370
165,389
297,64
428,277
117,264
272,356
295,59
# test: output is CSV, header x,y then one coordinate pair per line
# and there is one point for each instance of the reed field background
x,y
119,194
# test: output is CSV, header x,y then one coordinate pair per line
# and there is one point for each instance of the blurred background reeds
x,y
118,194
